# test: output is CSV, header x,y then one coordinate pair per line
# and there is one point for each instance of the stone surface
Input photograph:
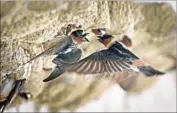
x,y
27,25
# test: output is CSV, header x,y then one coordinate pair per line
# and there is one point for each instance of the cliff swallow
x,y
66,49
10,88
65,44
69,53
117,57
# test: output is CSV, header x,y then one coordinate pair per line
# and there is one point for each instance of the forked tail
x,y
59,70
150,71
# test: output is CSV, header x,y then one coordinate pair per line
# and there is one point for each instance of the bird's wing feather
x,y
122,51
53,47
114,59
54,42
68,57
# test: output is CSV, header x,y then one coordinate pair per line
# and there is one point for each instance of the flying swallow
x,y
65,44
116,58
69,53
9,89
66,49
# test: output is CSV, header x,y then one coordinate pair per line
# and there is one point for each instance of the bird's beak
x,y
85,35
87,40
99,39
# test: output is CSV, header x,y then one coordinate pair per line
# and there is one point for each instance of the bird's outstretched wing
x,y
114,59
68,56
53,47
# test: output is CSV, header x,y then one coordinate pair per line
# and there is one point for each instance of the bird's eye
x,y
98,30
79,33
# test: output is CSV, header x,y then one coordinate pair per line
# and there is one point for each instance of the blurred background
x,y
26,25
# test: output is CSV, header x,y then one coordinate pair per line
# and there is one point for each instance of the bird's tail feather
x,y
150,71
56,73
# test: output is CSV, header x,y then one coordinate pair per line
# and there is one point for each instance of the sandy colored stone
x,y
28,26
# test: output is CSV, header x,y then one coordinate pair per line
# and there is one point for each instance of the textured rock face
x,y
27,27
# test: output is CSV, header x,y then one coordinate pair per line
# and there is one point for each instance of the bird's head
x,y
103,36
99,31
126,41
79,36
